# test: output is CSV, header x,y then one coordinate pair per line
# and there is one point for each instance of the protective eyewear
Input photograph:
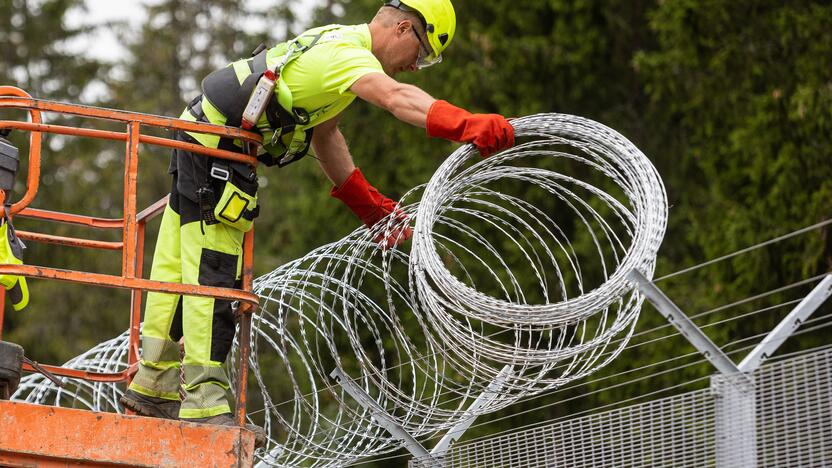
x,y
426,58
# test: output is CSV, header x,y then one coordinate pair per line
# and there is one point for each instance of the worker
x,y
212,203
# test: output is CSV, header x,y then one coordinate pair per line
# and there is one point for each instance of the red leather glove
x,y
371,207
488,132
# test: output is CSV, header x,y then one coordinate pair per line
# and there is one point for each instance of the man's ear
x,y
403,27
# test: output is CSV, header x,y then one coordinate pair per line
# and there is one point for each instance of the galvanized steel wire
x,y
516,260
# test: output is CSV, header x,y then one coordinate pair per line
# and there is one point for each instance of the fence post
x,y
735,406
733,390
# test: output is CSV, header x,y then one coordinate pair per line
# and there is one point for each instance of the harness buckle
x,y
278,132
301,116
221,173
299,46
195,108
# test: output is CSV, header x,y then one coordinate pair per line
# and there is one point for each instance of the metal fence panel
x,y
793,414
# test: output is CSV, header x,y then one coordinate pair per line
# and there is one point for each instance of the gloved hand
x,y
11,252
488,132
371,207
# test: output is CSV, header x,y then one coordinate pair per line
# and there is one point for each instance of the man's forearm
x,y
333,155
406,102
410,104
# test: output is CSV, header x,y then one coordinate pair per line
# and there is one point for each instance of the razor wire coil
x,y
516,260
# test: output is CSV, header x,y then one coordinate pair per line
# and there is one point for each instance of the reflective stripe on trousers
x,y
185,254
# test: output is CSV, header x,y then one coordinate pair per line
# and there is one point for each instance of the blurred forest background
x,y
731,100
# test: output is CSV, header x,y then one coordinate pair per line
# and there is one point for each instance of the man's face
x,y
406,48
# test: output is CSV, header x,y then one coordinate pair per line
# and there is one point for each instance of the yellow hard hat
x,y
439,21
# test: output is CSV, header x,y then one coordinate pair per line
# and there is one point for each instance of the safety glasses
x,y
426,58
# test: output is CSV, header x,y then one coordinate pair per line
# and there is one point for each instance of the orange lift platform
x,y
41,436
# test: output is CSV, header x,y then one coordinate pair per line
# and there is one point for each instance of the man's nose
x,y
413,67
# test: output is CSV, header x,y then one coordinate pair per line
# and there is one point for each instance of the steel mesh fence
x,y
787,423
794,412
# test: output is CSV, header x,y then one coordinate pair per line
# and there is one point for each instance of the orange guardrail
x,y
132,224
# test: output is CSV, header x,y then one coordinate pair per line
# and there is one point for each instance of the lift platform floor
x,y
45,436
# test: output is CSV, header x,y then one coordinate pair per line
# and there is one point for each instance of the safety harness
x,y
228,193
225,91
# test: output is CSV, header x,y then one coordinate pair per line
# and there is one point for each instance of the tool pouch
x,y
237,206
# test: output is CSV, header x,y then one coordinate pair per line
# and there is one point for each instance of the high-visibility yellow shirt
x,y
319,79
323,75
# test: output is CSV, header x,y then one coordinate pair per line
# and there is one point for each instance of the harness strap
x,y
249,215
216,87
225,92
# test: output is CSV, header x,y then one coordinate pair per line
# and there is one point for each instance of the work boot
x,y
150,406
226,419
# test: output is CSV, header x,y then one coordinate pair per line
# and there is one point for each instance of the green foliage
x,y
750,100
36,58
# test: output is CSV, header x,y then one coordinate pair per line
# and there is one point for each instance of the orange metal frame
x,y
48,437
133,223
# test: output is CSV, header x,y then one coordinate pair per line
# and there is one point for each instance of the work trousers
x,y
189,251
